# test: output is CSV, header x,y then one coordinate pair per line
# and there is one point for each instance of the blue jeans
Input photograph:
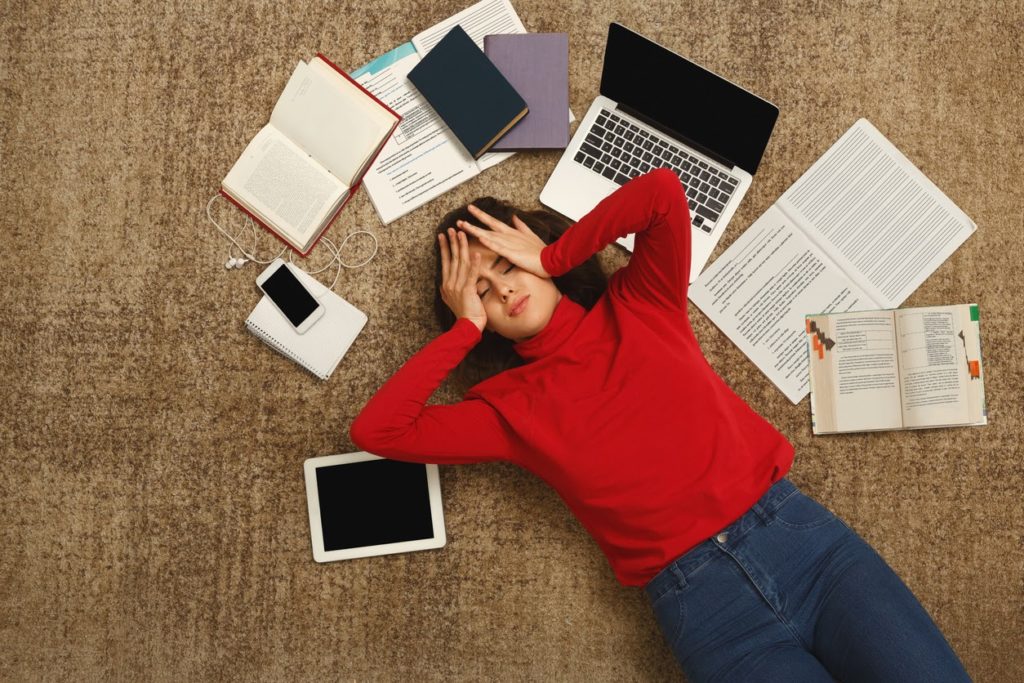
x,y
788,592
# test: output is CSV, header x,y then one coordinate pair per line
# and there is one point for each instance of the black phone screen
x,y
289,295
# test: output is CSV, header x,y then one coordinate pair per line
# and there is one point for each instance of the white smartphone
x,y
283,288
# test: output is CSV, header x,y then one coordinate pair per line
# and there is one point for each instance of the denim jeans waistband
x,y
759,513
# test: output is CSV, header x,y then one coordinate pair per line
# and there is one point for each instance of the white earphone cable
x,y
250,255
248,224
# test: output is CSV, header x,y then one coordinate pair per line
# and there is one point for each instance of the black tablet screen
x,y
373,502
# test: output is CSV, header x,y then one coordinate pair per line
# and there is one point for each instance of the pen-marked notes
x,y
424,159
860,230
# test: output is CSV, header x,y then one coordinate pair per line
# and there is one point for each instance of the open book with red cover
x,y
307,162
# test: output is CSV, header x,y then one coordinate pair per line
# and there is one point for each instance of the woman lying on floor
x,y
610,400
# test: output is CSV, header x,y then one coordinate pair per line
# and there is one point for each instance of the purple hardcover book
x,y
537,66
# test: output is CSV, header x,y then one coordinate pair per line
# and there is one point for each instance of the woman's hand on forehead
x,y
519,245
459,273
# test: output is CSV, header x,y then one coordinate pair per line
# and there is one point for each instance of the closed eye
x,y
504,272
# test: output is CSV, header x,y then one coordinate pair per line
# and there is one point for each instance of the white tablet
x,y
362,505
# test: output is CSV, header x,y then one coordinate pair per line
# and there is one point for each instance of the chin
x,y
532,321
519,328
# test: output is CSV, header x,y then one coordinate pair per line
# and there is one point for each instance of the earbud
x,y
335,252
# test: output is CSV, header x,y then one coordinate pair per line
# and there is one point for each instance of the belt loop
x,y
766,519
678,573
766,514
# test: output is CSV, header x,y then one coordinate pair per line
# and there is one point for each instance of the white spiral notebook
x,y
320,348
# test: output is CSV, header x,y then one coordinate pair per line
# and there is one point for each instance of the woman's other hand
x,y
458,278
519,245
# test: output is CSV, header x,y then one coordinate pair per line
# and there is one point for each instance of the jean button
x,y
722,537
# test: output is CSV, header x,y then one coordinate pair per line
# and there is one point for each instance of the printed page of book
x,y
935,369
762,287
284,186
331,123
854,372
423,159
880,219
372,109
484,18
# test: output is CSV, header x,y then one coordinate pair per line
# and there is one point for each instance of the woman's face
x,y
518,303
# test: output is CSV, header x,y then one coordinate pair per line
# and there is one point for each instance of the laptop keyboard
x,y
620,151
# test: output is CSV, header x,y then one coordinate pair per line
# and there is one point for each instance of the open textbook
x,y
861,229
909,368
303,166
424,159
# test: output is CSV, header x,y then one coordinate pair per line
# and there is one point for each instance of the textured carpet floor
x,y
152,512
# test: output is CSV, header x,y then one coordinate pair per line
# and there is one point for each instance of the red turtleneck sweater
x,y
616,407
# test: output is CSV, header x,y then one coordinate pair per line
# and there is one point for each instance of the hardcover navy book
x,y
468,92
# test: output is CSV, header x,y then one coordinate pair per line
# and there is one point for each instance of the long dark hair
x,y
583,284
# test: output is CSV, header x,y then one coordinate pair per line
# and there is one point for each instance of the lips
x,y
518,306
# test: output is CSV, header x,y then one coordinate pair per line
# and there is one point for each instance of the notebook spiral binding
x,y
273,343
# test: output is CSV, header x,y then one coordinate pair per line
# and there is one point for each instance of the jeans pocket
x,y
669,613
799,511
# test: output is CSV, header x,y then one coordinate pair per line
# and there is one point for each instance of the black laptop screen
x,y
699,107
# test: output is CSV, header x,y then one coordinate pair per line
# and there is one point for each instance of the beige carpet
x,y
152,512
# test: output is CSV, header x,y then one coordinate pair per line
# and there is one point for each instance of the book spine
x,y
267,339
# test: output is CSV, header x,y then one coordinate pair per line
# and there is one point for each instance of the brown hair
x,y
583,284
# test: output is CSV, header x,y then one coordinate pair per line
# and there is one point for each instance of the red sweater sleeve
x,y
654,207
396,424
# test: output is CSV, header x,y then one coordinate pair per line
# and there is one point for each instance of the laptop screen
x,y
699,107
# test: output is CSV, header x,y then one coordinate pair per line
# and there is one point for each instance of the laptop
x,y
657,109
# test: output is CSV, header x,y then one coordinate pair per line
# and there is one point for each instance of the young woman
x,y
678,480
